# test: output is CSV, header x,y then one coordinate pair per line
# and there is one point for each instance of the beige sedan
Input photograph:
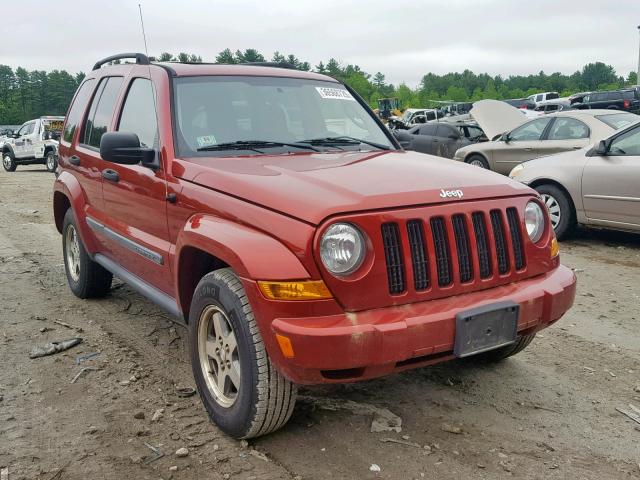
x,y
597,186
546,135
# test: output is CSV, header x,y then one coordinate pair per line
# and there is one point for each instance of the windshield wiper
x,y
254,145
343,140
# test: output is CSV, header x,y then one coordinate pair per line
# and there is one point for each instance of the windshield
x,y
212,112
618,120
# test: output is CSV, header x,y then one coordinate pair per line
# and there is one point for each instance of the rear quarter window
x,y
77,109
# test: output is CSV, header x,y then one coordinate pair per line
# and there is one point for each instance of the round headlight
x,y
534,220
342,248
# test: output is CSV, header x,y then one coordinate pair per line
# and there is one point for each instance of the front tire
x,y
478,161
561,211
241,390
51,162
9,162
86,278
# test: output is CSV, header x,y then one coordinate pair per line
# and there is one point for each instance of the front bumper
x,y
356,346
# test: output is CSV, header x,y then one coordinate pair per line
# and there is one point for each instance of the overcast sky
x,y
403,39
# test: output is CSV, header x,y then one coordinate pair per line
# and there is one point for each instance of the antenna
x,y
144,35
153,95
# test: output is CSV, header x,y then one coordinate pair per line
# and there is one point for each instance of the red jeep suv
x,y
270,211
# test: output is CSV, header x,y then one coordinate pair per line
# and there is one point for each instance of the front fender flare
x,y
252,254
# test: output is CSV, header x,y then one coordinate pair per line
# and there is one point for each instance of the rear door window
x,y
566,128
139,113
101,111
77,109
614,96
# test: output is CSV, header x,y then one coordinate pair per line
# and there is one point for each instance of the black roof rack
x,y
141,59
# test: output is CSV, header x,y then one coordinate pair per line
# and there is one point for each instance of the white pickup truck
x,y
35,142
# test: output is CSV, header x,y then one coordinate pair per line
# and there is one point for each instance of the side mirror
x,y
453,137
603,148
124,148
15,135
505,137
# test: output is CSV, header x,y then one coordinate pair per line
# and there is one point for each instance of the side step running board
x,y
152,293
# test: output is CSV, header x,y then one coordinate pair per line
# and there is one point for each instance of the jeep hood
x,y
496,117
312,187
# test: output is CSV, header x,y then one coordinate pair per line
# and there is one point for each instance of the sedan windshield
x,y
235,115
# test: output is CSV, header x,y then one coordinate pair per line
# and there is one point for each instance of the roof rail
x,y
141,59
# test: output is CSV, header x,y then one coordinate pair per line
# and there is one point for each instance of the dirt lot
x,y
549,413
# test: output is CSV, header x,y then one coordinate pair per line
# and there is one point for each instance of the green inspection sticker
x,y
206,141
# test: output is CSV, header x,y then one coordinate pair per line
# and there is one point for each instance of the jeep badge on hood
x,y
451,193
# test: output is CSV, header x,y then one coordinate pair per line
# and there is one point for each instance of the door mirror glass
x,y
124,148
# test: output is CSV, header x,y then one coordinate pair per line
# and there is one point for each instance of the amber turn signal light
x,y
555,249
285,345
306,290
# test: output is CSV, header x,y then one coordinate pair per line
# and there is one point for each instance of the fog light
x,y
555,249
285,345
309,290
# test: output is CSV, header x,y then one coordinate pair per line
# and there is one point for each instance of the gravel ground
x,y
549,413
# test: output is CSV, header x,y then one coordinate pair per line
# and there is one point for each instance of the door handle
x,y
576,147
74,160
528,149
110,175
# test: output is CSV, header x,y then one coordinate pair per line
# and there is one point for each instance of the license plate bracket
x,y
486,328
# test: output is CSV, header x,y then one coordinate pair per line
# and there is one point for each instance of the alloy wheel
x,y
219,357
72,252
6,162
51,162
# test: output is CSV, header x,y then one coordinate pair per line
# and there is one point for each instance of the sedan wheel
x,y
554,209
561,212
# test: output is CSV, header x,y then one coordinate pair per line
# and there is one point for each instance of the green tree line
x,y
29,94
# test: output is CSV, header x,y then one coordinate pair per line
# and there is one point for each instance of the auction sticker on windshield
x,y
206,141
335,93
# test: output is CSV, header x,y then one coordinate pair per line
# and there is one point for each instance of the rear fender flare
x,y
67,185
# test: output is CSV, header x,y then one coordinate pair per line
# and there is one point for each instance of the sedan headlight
x,y
534,219
517,170
342,248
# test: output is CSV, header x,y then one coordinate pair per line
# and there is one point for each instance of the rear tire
x,y
240,388
561,211
478,161
507,351
51,162
9,162
86,278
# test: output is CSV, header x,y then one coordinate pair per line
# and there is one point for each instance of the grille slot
x,y
443,261
516,237
462,245
501,243
482,245
394,258
415,230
